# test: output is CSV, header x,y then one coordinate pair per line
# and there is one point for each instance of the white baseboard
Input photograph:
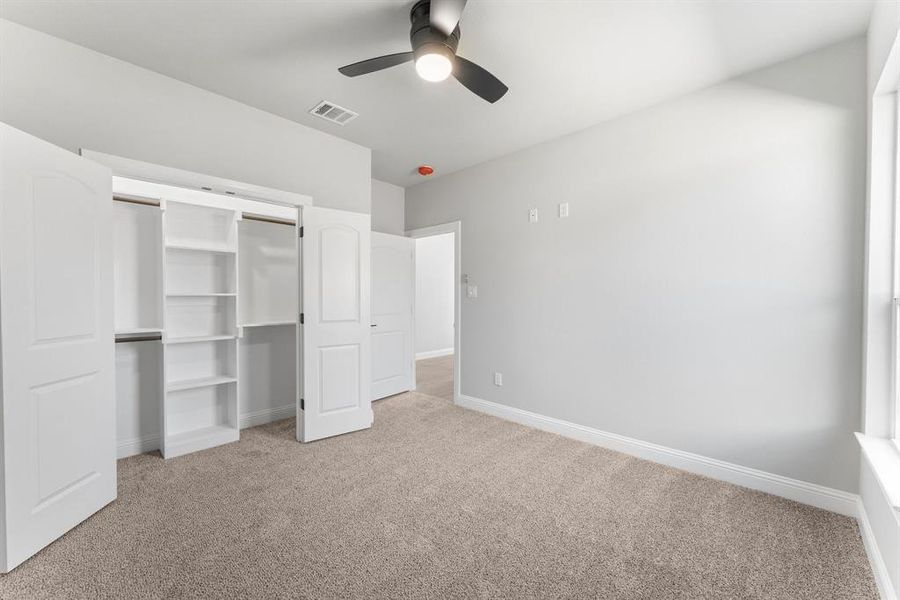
x,y
135,446
267,415
876,560
149,443
819,496
434,353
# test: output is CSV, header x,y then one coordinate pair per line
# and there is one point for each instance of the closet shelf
x,y
138,330
200,338
201,248
189,384
200,439
201,295
269,323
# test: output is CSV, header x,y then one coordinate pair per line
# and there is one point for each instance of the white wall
x,y
434,295
388,207
78,98
704,294
138,394
882,35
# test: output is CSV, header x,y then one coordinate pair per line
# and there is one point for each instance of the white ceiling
x,y
568,64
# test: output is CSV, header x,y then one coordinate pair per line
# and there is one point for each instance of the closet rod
x,y
142,338
135,200
265,219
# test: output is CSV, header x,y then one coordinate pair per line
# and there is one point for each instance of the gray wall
x,y
704,294
78,98
388,202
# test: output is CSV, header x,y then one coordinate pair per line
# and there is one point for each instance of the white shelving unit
x,y
207,292
189,384
201,399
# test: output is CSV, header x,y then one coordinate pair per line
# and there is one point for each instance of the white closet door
x,y
56,310
336,340
393,289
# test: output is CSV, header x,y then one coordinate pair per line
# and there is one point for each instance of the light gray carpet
x,y
439,502
434,377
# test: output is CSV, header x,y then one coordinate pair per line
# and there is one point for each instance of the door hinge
x,y
301,318
302,404
300,230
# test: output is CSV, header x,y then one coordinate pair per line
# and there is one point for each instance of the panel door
x,y
336,357
56,317
393,294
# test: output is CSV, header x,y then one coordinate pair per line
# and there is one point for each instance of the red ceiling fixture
x,y
426,170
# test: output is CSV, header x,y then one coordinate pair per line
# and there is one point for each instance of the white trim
x,y
454,227
884,458
138,445
149,443
889,78
144,171
876,560
434,353
164,193
819,496
268,415
894,430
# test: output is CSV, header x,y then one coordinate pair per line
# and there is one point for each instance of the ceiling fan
x,y
434,36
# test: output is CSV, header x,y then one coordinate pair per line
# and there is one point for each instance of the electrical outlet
x,y
498,379
563,210
533,215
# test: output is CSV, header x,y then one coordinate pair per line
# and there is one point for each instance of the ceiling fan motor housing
x,y
424,38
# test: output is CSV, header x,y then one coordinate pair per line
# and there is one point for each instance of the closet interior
x,y
206,312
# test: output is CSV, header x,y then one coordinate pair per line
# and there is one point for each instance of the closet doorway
x,y
236,305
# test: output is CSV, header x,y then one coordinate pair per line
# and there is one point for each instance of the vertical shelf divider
x,y
200,407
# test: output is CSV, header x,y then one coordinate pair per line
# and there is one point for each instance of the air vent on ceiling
x,y
334,113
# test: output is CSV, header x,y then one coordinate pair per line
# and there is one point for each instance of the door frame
x,y
190,180
454,227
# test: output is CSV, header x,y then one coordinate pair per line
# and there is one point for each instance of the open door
x,y
336,357
56,334
393,296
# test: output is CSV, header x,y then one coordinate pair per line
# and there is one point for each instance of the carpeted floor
x,y
439,502
434,377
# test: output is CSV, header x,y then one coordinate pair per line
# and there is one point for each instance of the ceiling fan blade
x,y
478,80
376,64
445,14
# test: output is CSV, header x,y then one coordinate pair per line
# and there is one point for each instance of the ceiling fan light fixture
x,y
434,63
434,38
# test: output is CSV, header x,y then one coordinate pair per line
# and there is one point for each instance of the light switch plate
x,y
498,379
471,291
533,215
563,210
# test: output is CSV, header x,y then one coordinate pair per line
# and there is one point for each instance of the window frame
x,y
895,305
